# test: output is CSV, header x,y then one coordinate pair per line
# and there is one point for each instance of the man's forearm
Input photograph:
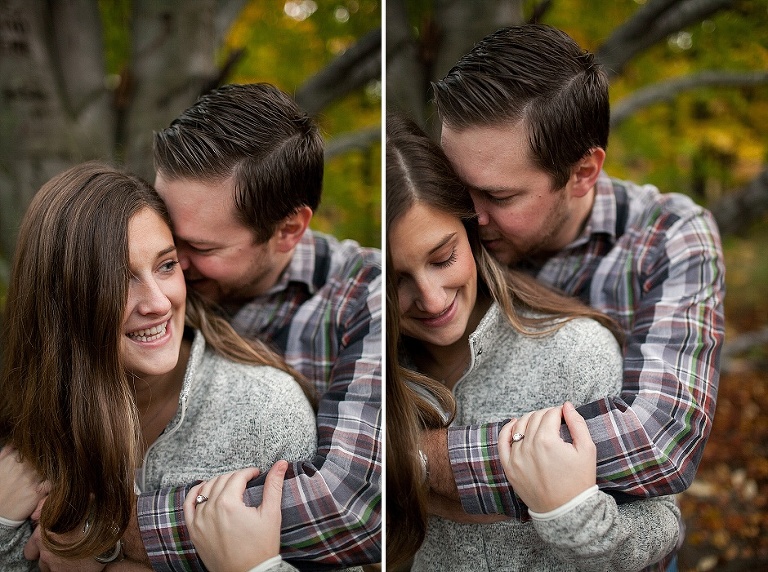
x,y
434,444
133,546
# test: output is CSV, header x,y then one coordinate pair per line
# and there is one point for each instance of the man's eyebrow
x,y
446,239
196,241
496,190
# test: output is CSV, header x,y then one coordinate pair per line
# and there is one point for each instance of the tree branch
x,y
357,140
351,70
741,345
735,211
653,22
668,90
227,12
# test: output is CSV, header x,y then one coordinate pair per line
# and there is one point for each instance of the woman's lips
x,y
443,318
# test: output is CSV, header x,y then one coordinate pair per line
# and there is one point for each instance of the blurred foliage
x,y
704,142
284,43
726,508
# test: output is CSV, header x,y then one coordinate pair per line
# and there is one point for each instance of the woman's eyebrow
x,y
446,239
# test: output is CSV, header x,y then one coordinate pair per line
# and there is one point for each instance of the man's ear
x,y
292,228
585,172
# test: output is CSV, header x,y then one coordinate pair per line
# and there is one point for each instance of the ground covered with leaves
x,y
726,508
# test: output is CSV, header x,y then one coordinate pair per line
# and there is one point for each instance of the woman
x,y
114,380
501,345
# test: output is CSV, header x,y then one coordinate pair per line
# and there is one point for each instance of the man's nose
x,y
480,208
184,260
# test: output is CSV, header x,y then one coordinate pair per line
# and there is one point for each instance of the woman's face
x,y
153,323
435,273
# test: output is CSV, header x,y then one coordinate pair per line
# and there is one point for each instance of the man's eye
x,y
500,200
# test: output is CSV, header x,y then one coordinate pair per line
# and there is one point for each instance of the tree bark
x,y
47,121
172,58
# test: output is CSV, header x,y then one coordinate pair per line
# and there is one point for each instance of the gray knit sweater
x,y
509,375
230,416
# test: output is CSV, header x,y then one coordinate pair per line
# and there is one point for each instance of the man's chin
x,y
205,289
502,253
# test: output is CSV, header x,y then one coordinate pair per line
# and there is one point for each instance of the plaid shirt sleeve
x,y
331,505
649,439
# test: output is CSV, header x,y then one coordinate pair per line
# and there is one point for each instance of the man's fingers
x,y
32,547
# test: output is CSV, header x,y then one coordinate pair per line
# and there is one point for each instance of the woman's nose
x,y
153,300
431,298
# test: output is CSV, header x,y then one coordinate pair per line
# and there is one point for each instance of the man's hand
x,y
49,562
434,444
126,566
22,488
133,545
452,510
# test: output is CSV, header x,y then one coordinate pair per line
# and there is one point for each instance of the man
x,y
525,121
241,174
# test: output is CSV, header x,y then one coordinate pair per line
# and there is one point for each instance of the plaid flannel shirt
x,y
324,316
654,263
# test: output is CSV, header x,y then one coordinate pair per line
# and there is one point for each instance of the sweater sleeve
x,y
12,541
597,535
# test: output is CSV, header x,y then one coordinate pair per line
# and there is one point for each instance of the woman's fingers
x,y
578,428
273,488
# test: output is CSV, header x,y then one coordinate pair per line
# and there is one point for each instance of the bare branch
x,y
227,12
735,211
540,10
351,70
741,345
653,22
355,141
668,90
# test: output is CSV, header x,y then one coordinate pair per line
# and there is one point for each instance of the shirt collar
x,y
301,268
602,219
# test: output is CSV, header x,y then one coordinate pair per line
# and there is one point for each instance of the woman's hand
x,y
545,471
228,535
22,487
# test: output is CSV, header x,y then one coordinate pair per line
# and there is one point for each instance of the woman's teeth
x,y
149,334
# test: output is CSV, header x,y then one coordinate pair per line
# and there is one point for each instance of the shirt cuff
x,y
267,564
11,523
164,532
474,455
562,509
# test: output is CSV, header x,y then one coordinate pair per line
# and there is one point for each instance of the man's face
x,y
216,250
520,215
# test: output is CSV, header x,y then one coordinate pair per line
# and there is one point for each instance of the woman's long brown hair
x,y
67,403
418,171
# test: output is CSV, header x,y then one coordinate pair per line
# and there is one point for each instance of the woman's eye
x,y
448,261
168,266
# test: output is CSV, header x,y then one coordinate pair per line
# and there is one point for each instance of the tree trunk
x,y
54,108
